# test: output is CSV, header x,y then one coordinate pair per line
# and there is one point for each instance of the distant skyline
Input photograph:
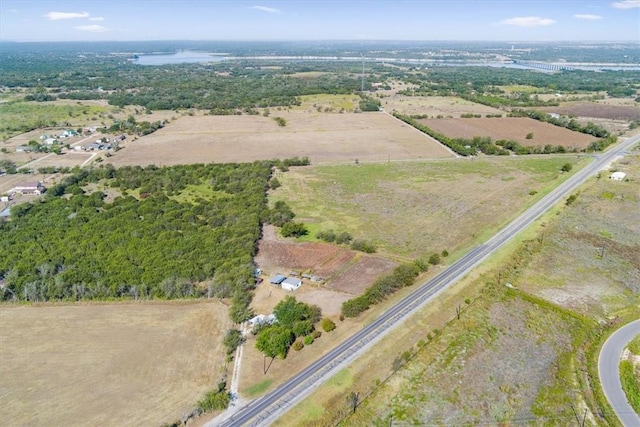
x,y
428,20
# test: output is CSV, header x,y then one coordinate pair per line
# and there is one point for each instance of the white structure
x,y
261,319
618,176
291,284
28,188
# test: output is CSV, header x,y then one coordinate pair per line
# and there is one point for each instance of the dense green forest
x,y
173,232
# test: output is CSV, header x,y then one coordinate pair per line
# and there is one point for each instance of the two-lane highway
x,y
268,408
609,373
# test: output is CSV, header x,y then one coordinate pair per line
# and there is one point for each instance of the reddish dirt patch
x,y
279,255
343,269
602,111
333,265
510,128
360,275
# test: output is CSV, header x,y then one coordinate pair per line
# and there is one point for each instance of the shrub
x,y
567,167
434,259
232,340
302,328
572,198
327,325
445,253
529,135
294,229
316,334
363,246
308,340
298,345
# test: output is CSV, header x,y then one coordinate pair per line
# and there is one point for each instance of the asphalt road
x,y
270,407
609,372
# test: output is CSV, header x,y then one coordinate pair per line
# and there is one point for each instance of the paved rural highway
x,y
270,407
609,372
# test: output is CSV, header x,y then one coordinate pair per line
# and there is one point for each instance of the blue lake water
x,y
178,58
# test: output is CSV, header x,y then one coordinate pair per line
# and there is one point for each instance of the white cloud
x,y
626,4
92,28
528,21
265,9
96,18
588,17
55,16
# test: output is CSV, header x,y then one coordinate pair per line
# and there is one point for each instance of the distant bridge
x,y
543,65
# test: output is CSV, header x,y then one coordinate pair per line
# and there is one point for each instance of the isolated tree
x,y
353,399
275,341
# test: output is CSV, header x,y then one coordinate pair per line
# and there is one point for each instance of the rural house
x,y
28,188
291,284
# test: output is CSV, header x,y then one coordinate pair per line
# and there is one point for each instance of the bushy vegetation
x,y
630,383
404,275
294,320
160,244
215,399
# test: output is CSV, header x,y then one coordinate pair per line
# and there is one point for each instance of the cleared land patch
x,y
344,270
510,128
598,110
321,137
434,106
112,364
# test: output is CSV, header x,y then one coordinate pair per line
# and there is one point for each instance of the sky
x,y
468,20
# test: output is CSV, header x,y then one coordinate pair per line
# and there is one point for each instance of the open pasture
x,y
511,128
434,106
126,364
321,137
413,209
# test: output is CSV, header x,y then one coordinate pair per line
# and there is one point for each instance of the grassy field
x,y
126,364
18,117
516,356
433,106
410,209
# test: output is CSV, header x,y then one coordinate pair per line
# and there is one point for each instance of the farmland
x,y
411,209
510,128
433,106
319,136
603,110
126,364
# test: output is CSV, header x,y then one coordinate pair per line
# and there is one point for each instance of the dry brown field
x,y
596,110
511,128
434,106
126,364
321,137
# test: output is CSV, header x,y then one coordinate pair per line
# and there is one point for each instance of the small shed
x,y
291,284
277,279
618,176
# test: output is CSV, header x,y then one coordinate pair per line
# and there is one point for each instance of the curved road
x,y
270,407
609,372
